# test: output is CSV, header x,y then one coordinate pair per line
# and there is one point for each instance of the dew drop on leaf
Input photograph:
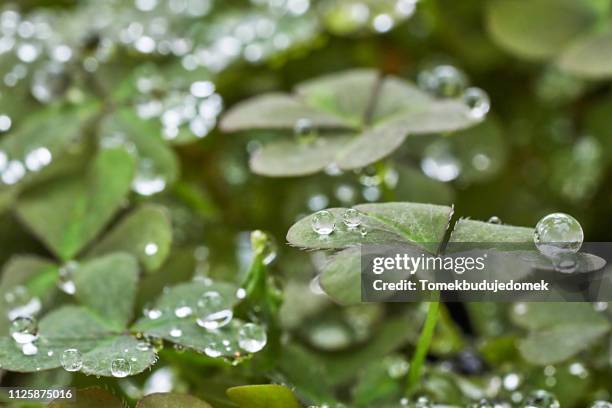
x,y
120,368
5,123
477,101
151,248
176,332
423,402
443,81
19,302
323,222
24,329
601,404
212,312
182,311
71,359
304,131
13,172
29,349
557,234
494,220
148,181
214,349
439,163
66,277
351,218
252,337
541,399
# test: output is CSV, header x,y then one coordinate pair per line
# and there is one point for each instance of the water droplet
x,y
183,311
29,349
176,332
439,163
270,250
423,402
5,123
143,346
541,399
13,172
151,248
444,81
383,23
252,337
304,130
494,220
66,277
397,367
363,231
153,314
71,359
323,222
214,349
477,101
511,381
579,370
351,218
148,181
212,311
558,234
120,368
601,404
240,293
19,302
24,329
38,158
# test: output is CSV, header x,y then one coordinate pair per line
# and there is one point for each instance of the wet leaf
x,y
589,57
263,396
537,29
66,214
171,400
145,233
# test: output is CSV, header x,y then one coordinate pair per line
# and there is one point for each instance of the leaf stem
x,y
418,359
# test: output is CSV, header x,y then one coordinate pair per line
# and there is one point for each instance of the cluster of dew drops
x,y
212,314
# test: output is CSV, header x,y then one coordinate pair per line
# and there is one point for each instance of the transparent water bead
x,y
24,329
495,220
66,277
444,81
176,332
351,218
5,123
151,249
423,402
601,404
541,399
183,311
558,234
13,172
29,349
212,311
252,337
304,130
120,368
71,359
148,181
439,163
485,404
19,302
323,222
477,101
214,349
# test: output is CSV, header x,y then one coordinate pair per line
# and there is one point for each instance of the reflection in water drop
x,y
71,359
120,368
24,329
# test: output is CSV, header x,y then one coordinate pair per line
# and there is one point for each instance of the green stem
x,y
416,366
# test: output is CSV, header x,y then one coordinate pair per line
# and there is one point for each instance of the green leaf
x,y
347,94
381,113
481,232
171,400
56,130
294,158
76,327
276,111
589,57
107,285
537,29
145,138
263,396
403,223
90,398
560,342
37,276
68,213
341,277
183,330
535,316
145,233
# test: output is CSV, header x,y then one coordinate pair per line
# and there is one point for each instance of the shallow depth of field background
x,y
545,146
